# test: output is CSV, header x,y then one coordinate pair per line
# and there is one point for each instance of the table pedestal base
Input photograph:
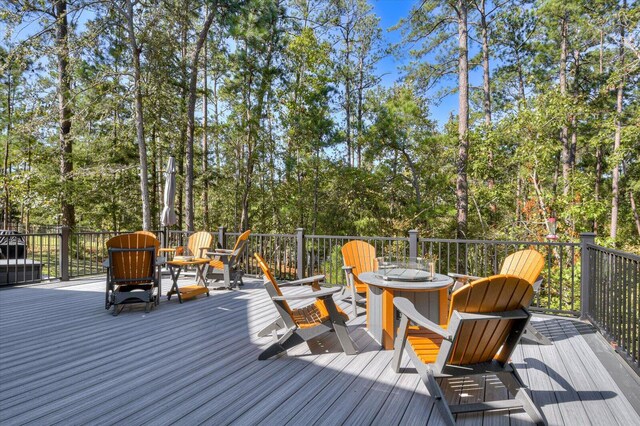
x,y
382,320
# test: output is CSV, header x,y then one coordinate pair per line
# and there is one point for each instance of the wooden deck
x,y
64,359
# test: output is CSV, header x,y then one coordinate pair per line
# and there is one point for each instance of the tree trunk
x,y
347,88
216,123
598,180
153,179
253,122
316,190
128,16
564,132
191,108
463,119
632,200
5,167
64,115
615,176
205,142
521,91
486,88
142,146
347,100
574,121
360,111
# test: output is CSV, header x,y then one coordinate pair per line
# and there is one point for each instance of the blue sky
x,y
390,13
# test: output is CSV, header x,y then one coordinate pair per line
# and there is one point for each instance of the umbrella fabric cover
x,y
168,216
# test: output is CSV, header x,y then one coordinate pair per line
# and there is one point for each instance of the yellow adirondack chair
x,y
308,322
197,246
526,264
486,320
358,257
132,275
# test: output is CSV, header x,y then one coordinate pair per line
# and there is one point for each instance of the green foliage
x,y
282,153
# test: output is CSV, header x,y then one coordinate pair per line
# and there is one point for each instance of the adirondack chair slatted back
x,y
362,257
306,317
150,234
271,284
239,248
482,340
132,258
242,239
527,264
199,243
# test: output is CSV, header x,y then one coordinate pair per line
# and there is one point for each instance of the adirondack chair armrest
x,y
302,281
408,309
462,277
347,269
220,251
324,293
223,257
537,284
515,314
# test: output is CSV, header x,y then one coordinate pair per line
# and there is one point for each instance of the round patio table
x,y
431,298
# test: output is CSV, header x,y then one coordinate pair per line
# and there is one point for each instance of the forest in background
x,y
277,116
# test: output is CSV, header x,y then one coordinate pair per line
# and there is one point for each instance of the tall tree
x,y
129,16
193,82
615,175
64,113
462,187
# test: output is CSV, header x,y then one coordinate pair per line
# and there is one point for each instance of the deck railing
x,y
30,258
601,286
613,302
57,254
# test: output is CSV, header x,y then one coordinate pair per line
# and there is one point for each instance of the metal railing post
x,y
300,252
586,238
64,253
222,236
413,245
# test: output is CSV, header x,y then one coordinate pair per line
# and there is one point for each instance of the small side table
x,y
188,291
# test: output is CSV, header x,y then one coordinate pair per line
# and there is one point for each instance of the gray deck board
x,y
65,360
539,381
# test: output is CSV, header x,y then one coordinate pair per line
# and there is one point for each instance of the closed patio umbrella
x,y
168,216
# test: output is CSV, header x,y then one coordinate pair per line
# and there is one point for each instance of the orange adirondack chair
x,y
526,264
225,264
199,243
303,324
150,234
358,257
132,275
486,320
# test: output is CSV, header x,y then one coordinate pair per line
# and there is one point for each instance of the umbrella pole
x,y
164,237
